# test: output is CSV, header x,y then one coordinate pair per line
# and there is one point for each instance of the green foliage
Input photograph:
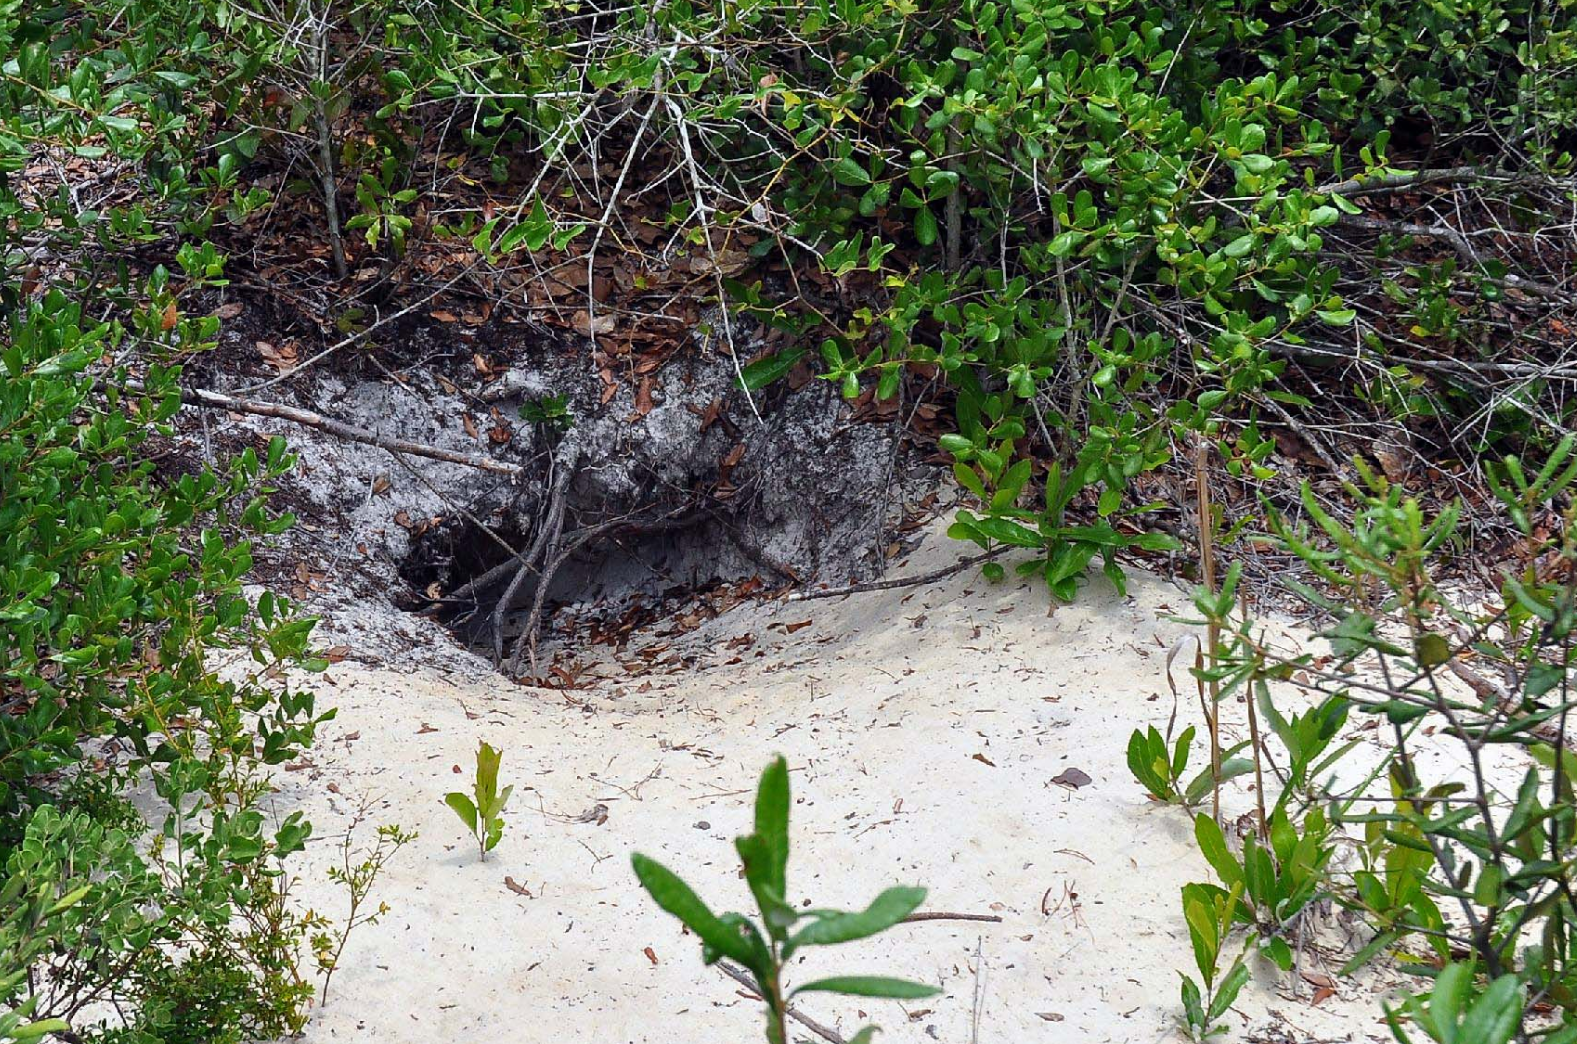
x,y
482,811
357,873
764,948
1100,223
1456,1012
1161,773
550,411
1210,914
1475,871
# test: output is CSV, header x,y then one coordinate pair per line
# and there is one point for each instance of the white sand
x,y
924,727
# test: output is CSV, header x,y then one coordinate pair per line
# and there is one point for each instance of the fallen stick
x,y
339,429
903,581
942,915
792,1012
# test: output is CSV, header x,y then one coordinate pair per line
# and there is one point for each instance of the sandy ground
x,y
925,728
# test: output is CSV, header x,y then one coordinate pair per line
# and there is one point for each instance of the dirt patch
x,y
632,484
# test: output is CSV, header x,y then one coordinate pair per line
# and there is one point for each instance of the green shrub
x,y
117,587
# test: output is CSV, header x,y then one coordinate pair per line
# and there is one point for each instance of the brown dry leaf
x,y
1049,1016
729,262
168,320
425,729
445,316
229,310
336,653
381,485
651,954
470,426
983,760
587,326
643,398
501,433
281,357
1322,994
1074,778
516,887
790,628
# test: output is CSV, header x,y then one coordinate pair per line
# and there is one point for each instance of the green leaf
x,y
1063,244
769,368
1228,991
869,986
1008,532
772,823
1193,1004
865,1036
1213,843
1432,650
487,762
463,808
848,172
886,910
925,226
677,898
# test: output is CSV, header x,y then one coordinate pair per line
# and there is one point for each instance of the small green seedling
x,y
483,811
1210,912
765,949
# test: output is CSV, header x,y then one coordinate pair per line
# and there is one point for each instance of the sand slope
x,y
924,727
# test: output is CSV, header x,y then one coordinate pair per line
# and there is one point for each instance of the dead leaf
x,y
651,954
281,358
983,760
168,320
643,398
425,729
800,625
587,326
1049,1016
516,887
1073,778
597,814
336,653
229,310
469,425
